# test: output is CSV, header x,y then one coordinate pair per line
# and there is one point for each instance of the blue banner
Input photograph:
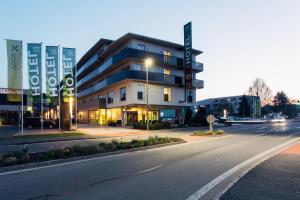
x,y
34,58
69,72
52,74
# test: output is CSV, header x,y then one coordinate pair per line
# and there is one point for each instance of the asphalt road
x,y
187,171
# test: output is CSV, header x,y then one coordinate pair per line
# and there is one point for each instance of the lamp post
x,y
229,108
148,63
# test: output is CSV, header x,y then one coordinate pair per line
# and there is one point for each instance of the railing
x,y
197,66
137,54
136,75
199,84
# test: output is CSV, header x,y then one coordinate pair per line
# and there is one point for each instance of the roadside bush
x,y
155,125
22,157
208,133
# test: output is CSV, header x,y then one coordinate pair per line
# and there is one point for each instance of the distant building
x,y
10,108
217,105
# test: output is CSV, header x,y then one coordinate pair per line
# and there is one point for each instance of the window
x,y
167,71
167,94
110,97
140,92
141,47
167,56
190,96
137,67
123,94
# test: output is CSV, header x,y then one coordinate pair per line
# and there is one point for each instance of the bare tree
x,y
260,89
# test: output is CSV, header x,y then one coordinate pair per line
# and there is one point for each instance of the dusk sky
x,y
241,40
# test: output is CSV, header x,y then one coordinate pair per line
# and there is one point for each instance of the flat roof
x,y
113,45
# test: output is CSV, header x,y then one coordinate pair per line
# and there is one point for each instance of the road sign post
x,y
211,119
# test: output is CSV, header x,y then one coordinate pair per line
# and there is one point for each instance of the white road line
x,y
60,164
290,136
259,131
202,191
151,169
261,134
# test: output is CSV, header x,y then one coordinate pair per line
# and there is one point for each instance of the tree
x,y
244,109
260,89
280,102
188,115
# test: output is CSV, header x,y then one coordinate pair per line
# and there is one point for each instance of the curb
x,y
249,168
50,162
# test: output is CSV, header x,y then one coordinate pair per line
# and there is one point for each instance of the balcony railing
x,y
137,54
199,84
197,66
136,75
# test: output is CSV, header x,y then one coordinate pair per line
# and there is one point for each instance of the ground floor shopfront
x,y
127,115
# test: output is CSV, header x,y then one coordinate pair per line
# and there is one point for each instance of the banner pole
x,y
22,107
59,87
42,117
75,92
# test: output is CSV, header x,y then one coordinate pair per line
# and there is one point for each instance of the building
x,y
111,80
219,104
10,105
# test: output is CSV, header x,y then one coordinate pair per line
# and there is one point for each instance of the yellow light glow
x,y
29,108
148,62
71,106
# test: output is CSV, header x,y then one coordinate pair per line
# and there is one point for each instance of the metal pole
x,y
22,107
42,117
58,87
229,108
147,99
75,92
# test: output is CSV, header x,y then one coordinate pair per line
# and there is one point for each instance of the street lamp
x,y
229,108
148,63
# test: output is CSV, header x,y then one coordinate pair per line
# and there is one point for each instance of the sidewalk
x,y
275,179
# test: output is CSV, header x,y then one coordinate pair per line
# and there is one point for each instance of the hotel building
x,y
111,81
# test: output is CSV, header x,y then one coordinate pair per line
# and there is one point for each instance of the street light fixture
x,y
148,63
229,108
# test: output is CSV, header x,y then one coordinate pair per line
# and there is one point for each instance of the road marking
x,y
261,134
202,191
290,136
60,164
151,169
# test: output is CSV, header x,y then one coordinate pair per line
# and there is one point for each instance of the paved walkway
x,y
275,179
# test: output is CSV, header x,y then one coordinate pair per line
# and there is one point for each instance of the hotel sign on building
x,y
188,55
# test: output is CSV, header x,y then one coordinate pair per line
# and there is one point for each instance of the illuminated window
x,y
110,97
167,71
167,56
167,94
123,94
140,92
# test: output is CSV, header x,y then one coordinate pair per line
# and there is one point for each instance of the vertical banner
x,y
69,81
52,76
14,68
68,66
188,55
34,56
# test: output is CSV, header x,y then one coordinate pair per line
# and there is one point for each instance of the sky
x,y
241,39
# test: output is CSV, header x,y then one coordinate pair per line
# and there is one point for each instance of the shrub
x,y
207,133
19,157
155,125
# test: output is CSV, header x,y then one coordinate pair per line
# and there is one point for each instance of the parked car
x,y
169,119
30,122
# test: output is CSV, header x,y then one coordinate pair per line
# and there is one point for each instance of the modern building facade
x,y
111,81
217,105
